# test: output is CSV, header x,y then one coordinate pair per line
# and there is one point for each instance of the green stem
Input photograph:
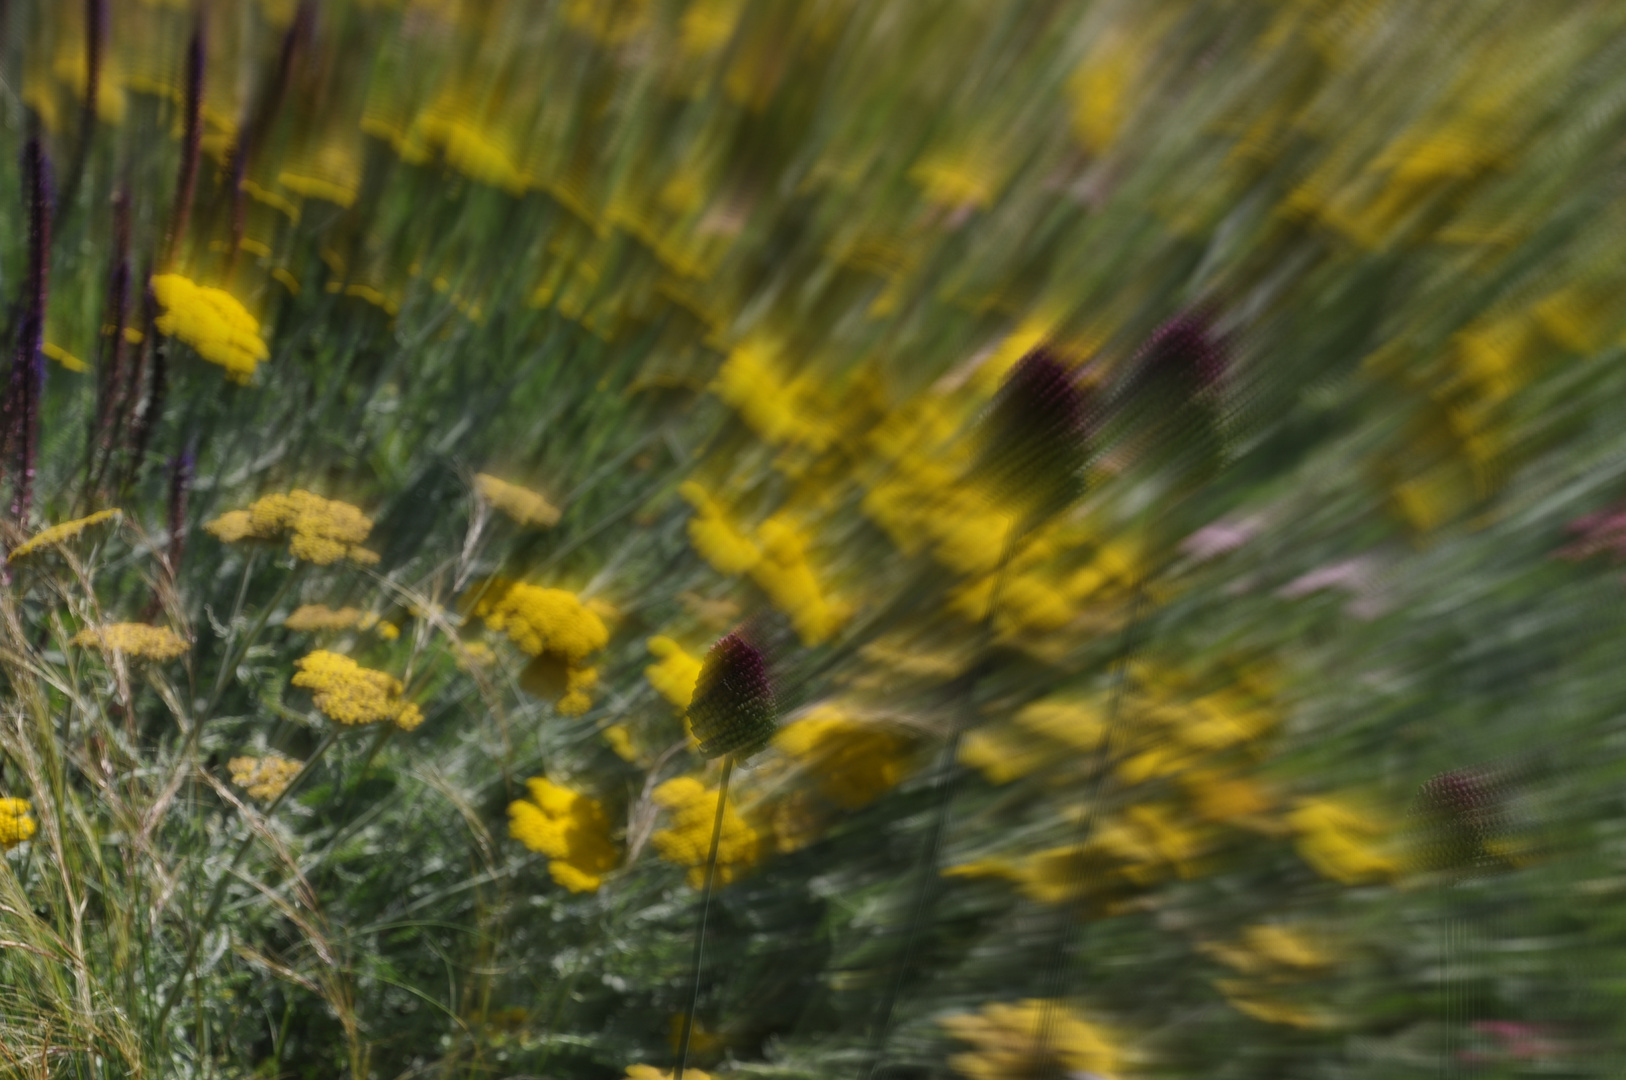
x,y
705,910
241,650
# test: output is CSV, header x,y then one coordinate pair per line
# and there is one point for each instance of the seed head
x,y
733,709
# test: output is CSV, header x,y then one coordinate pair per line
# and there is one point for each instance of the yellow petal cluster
x,y
1342,842
725,547
351,694
776,559
323,530
56,534
212,321
649,1072
316,618
854,762
675,672
523,505
1039,735
568,827
693,808
1032,1038
264,778
555,627
782,411
134,639
16,822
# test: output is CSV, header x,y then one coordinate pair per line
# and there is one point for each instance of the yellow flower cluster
x,y
135,639
264,778
523,505
56,534
1342,842
854,762
694,809
783,412
1032,1038
315,618
16,822
324,530
1274,960
1039,735
550,676
569,828
351,694
212,321
649,1072
675,672
552,625
776,560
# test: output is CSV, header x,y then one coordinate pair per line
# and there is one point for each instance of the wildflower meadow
x,y
599,539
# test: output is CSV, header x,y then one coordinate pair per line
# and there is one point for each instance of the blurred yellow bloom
x,y
783,412
1032,1038
1252,1000
620,739
675,674
1342,842
1043,733
649,1072
323,530
56,534
351,694
728,550
693,807
136,639
264,778
524,506
212,321
568,827
556,628
854,762
785,575
16,822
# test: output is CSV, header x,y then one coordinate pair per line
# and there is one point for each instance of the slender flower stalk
x,y
733,715
96,20
110,369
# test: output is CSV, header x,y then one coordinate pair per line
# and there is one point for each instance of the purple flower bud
x,y
1035,436
733,711
1185,353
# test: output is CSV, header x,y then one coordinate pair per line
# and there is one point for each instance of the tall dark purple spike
x,y
23,388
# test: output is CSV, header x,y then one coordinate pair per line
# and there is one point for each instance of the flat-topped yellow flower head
x,y
568,827
351,694
523,505
323,531
57,534
212,321
264,778
16,822
133,639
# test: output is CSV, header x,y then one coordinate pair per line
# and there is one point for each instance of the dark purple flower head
x,y
733,711
1461,812
1035,436
1186,352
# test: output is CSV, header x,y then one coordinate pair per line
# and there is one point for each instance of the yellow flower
x,y
1245,997
56,534
351,694
784,574
524,506
263,778
324,530
688,841
675,674
16,822
568,827
314,617
1023,1038
620,740
137,639
854,762
1341,842
212,321
728,550
540,620
649,1072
